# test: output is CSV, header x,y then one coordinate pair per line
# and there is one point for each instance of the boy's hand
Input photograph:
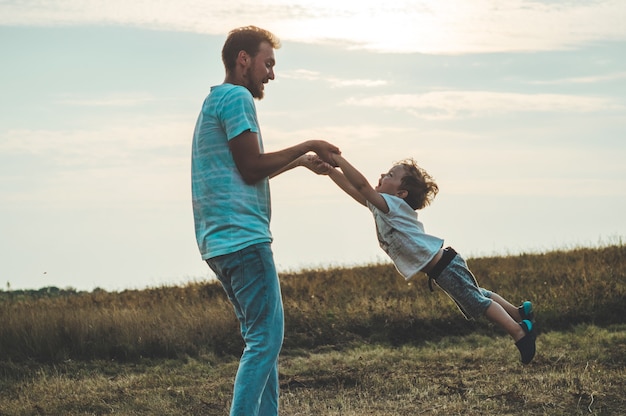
x,y
333,159
315,164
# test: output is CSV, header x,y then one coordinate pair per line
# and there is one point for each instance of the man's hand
x,y
325,151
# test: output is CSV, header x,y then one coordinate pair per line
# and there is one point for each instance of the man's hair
x,y
247,38
420,186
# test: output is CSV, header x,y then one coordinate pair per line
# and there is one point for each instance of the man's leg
x,y
251,282
269,399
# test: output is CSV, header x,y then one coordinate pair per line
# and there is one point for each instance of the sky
x,y
517,108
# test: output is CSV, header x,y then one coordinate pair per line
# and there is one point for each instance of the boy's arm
x,y
359,184
343,183
317,165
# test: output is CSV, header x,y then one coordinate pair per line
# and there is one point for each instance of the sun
x,y
398,27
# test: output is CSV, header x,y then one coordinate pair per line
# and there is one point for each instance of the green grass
x,y
358,341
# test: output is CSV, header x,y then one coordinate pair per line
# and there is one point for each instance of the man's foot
x,y
526,345
526,311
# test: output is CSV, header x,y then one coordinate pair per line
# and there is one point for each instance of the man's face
x,y
260,70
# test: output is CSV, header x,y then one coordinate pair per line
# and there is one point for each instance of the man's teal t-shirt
x,y
229,215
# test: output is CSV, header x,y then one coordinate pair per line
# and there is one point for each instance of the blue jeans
x,y
250,280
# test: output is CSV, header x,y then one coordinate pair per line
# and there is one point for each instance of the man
x,y
231,205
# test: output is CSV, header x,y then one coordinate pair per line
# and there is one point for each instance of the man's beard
x,y
254,87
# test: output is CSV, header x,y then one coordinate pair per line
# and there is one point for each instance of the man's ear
x,y
402,193
243,58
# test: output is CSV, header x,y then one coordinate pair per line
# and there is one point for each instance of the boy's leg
x,y
519,313
497,314
513,311
522,333
458,282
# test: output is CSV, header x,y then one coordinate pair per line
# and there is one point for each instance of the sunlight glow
x,y
404,26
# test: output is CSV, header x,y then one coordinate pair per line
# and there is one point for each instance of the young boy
x,y
399,193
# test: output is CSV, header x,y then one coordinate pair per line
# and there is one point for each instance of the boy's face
x,y
389,183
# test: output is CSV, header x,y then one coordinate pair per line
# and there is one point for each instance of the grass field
x,y
358,341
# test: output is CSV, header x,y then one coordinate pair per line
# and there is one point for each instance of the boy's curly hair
x,y
421,187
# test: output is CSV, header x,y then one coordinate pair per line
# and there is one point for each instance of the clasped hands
x,y
314,163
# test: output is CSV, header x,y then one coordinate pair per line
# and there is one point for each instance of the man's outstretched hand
x,y
325,150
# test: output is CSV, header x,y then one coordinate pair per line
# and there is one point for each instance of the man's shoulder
x,y
230,98
231,90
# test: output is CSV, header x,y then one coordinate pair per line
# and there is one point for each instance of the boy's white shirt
x,y
401,235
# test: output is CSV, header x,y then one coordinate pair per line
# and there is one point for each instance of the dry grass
x,y
578,372
358,341
473,375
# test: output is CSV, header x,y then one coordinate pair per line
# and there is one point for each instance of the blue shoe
x,y
526,345
526,311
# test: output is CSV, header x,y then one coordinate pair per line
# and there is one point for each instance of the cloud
x,y
109,100
367,83
443,26
592,79
347,136
111,165
302,74
113,145
444,105
306,75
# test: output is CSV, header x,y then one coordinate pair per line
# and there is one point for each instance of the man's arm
x,y
312,162
298,162
359,188
254,165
